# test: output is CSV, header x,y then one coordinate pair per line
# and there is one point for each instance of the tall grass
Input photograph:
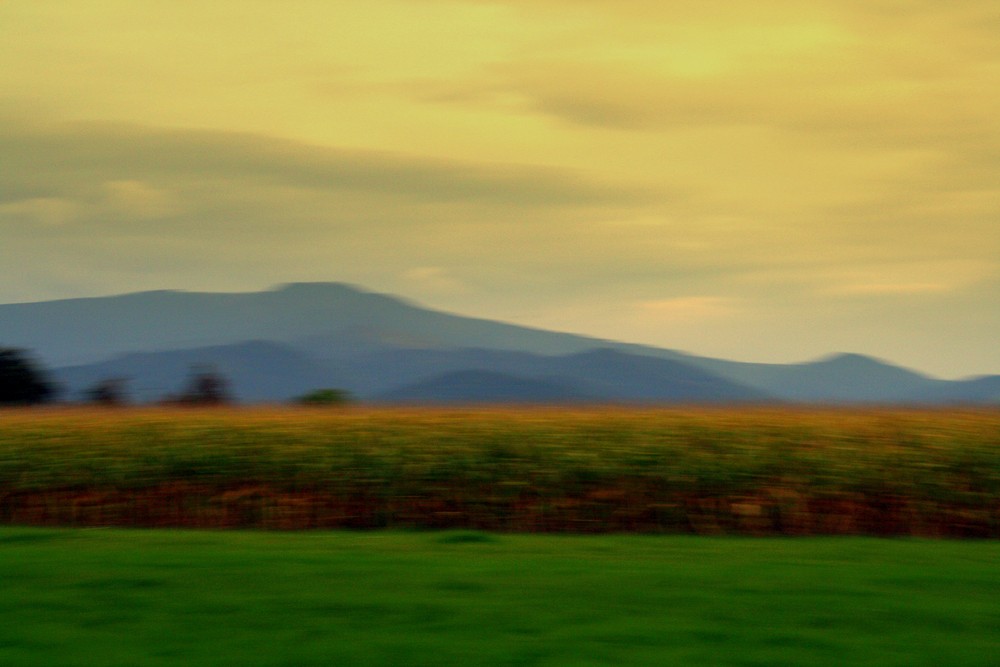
x,y
745,470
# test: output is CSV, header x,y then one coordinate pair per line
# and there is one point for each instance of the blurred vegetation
x,y
325,397
108,392
121,598
205,387
747,471
22,380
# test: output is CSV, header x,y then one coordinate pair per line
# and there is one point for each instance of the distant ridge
x,y
262,371
597,375
835,378
317,316
301,336
479,386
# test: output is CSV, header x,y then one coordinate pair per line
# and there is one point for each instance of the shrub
x,y
205,387
325,397
109,391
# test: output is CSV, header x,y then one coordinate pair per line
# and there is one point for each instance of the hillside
x,y
256,371
325,319
477,386
309,335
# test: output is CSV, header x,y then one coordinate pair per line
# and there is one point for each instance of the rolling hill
x,y
477,386
256,371
282,342
325,319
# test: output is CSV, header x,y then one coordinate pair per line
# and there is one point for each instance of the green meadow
x,y
114,597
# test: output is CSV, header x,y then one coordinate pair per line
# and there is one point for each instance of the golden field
x,y
759,471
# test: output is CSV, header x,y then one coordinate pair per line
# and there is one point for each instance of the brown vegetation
x,y
706,471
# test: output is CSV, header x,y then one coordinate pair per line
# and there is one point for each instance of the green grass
x,y
127,597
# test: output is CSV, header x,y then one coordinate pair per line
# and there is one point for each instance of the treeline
x,y
24,382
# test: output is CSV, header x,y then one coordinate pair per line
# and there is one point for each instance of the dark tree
x,y
205,387
110,391
21,381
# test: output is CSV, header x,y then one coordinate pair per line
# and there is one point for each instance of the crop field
x,y
747,471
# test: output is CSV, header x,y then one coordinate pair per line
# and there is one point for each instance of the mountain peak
x,y
851,359
313,287
317,292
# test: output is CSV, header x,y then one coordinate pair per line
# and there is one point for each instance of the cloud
x,y
45,211
135,199
183,207
687,308
836,97
434,280
71,155
889,289
915,278
864,76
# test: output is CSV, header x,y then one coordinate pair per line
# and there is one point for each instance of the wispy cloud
x,y
75,156
921,278
434,280
688,308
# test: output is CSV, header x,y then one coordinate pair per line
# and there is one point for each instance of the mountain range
x,y
277,344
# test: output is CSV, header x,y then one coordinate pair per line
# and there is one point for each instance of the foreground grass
x,y
125,597
710,471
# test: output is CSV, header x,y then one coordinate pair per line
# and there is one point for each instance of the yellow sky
x,y
770,181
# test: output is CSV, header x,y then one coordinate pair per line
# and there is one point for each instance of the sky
x,y
774,180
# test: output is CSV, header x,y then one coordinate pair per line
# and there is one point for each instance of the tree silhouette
x,y
110,391
205,387
21,381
